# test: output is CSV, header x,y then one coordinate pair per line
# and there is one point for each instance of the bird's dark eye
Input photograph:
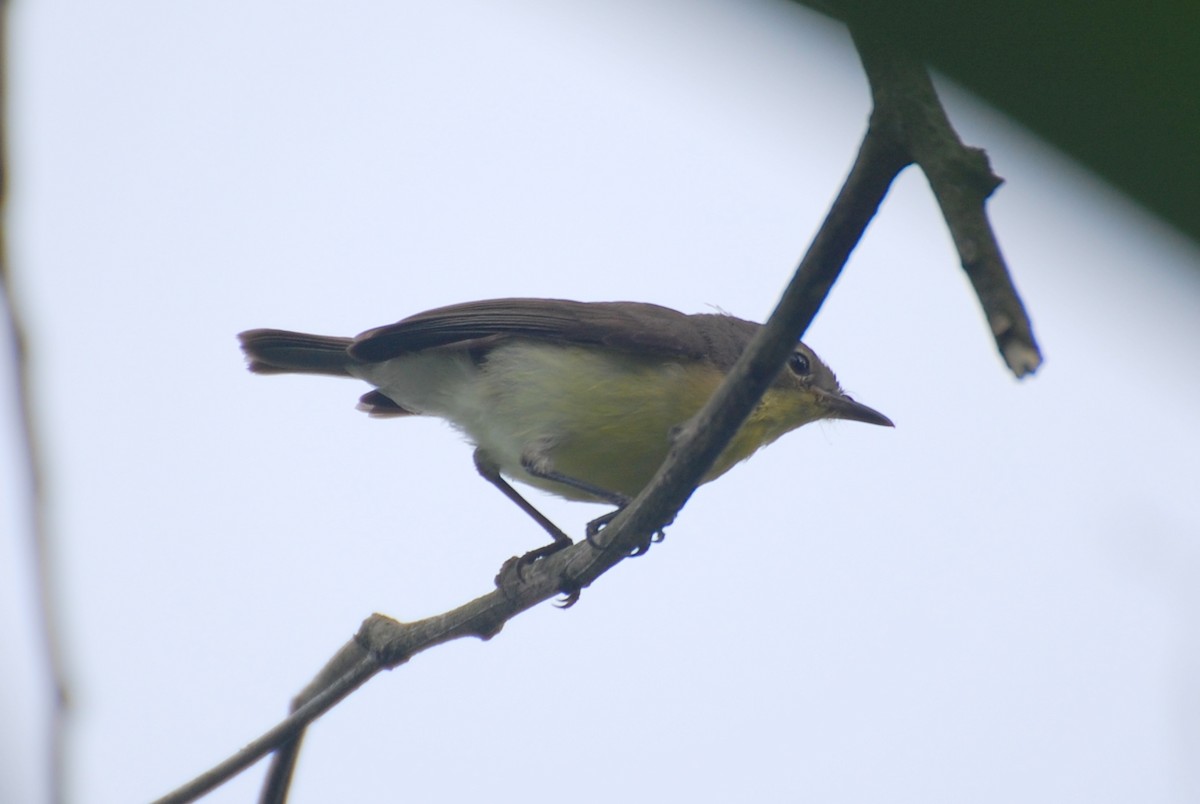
x,y
798,363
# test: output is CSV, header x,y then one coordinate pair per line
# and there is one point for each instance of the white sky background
x,y
994,602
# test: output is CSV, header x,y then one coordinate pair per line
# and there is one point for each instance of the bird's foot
x,y
599,523
512,572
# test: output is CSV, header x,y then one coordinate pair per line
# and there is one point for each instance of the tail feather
x,y
277,351
379,406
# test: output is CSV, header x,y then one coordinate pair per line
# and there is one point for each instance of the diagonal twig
x,y
46,604
907,125
383,643
961,180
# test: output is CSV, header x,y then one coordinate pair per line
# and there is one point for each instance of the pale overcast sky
x,y
994,602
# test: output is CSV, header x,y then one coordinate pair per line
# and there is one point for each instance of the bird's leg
x,y
490,471
538,469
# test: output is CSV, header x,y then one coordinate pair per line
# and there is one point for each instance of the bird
x,y
580,399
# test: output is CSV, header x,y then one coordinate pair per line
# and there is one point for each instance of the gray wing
x,y
628,326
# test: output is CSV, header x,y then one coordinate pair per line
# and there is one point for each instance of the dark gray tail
x,y
277,351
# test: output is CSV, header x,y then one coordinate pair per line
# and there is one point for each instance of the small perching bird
x,y
578,398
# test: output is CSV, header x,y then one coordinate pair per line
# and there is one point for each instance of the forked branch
x,y
907,125
906,105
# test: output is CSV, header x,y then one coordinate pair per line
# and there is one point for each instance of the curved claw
x,y
523,562
519,564
644,547
570,592
569,600
597,524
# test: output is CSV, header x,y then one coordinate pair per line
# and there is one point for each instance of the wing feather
x,y
629,326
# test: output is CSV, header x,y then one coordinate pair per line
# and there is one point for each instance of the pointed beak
x,y
843,407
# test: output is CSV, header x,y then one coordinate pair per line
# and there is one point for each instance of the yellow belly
x,y
605,417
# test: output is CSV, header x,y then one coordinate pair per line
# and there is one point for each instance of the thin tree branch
x,y
31,456
905,116
276,736
961,180
384,643
701,439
